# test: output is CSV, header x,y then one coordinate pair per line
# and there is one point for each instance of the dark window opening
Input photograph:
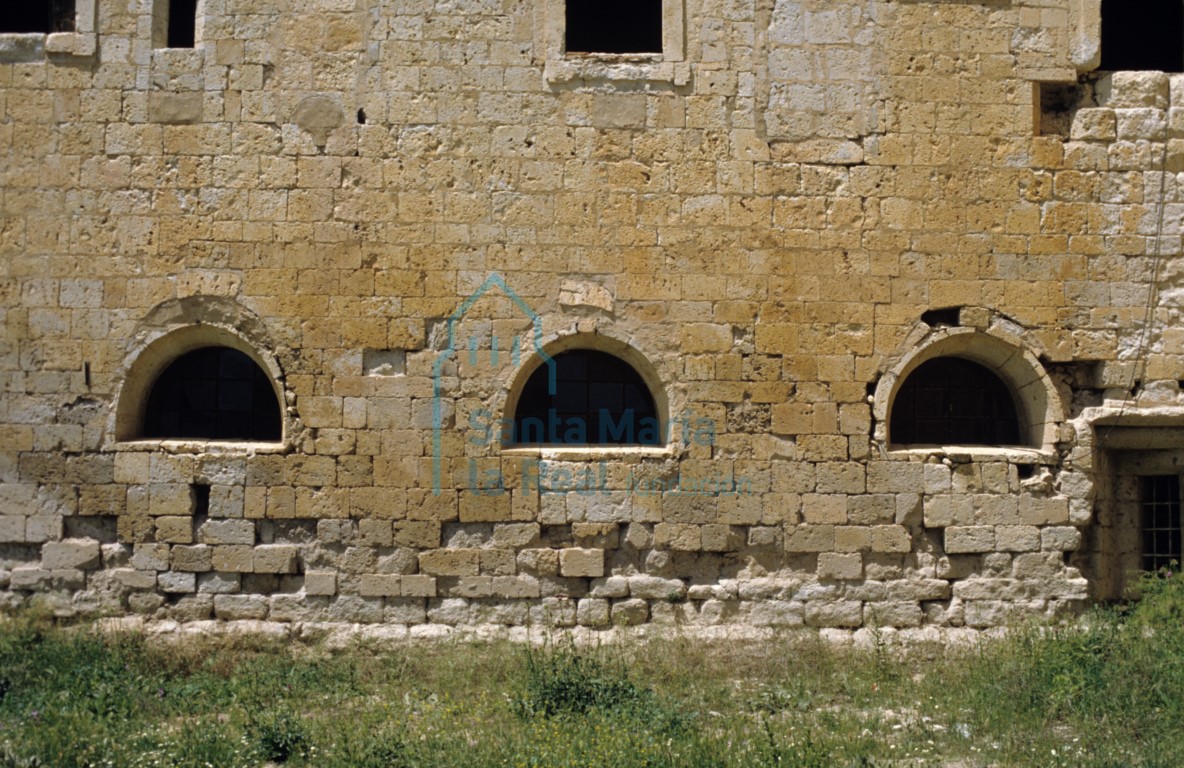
x,y
599,399
33,16
1159,503
213,393
614,26
182,24
201,499
954,401
1143,34
1058,102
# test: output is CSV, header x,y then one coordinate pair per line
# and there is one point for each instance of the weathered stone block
x,y
581,563
320,583
380,585
450,562
83,554
968,539
225,531
840,566
238,558
275,558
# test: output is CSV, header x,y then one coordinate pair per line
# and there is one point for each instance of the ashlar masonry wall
x,y
774,221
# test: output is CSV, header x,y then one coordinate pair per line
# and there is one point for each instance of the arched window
x,y
213,393
598,399
954,401
1142,36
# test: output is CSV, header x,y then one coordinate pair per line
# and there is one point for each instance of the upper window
x,y
595,399
33,16
614,26
1146,35
174,23
213,393
954,401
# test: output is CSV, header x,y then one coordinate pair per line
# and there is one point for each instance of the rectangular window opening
x,y
1159,508
613,26
1055,105
38,16
174,23
1146,35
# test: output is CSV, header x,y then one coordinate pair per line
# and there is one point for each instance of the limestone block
x,y
72,553
596,535
1035,510
379,585
837,613
195,558
699,338
892,614
375,533
175,582
213,583
275,558
333,532
174,529
12,529
237,558
151,557
133,579
891,538
540,561
472,587
945,511
1094,125
819,509
241,607
450,562
423,534
678,537
516,587
657,588
1060,539
320,583
960,539
592,612
42,528
418,586
852,538
776,613
404,611
612,586
722,538
226,531
166,107
840,566
810,538
629,613
1131,90
1017,538
895,477
355,609
28,577
577,562
514,534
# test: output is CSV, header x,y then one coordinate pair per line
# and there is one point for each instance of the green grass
x,y
1105,692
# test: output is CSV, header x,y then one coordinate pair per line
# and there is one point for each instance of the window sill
x,y
963,453
235,447
589,452
21,48
636,68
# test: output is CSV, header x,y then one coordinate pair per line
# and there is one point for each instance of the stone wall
x,y
774,221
